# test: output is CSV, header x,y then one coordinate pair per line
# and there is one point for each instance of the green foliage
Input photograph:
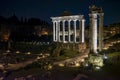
x,y
112,65
113,58
44,64
68,53
65,54
115,48
115,37
59,58
96,60
52,48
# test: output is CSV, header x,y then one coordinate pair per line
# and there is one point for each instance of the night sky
x,y
44,9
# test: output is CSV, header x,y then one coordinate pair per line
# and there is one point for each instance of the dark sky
x,y
44,9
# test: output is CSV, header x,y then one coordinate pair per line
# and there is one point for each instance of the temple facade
x,y
71,29
68,29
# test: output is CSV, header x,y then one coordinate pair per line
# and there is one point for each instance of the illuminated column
x,y
63,31
74,31
80,30
101,31
91,33
53,30
83,26
69,31
58,31
94,20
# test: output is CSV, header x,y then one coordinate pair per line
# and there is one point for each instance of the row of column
x,y
95,34
56,30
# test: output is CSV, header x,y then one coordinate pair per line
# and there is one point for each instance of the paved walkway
x,y
77,59
22,64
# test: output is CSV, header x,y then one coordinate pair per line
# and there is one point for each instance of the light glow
x,y
61,65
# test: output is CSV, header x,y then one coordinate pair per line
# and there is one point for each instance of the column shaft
x,y
53,31
91,35
83,26
63,31
58,31
69,31
100,31
94,33
74,31
80,31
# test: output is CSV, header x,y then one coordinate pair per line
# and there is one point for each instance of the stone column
x,y
90,33
63,31
58,31
83,26
101,31
69,31
80,31
94,20
53,30
74,31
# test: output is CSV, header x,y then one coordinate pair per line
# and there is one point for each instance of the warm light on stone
x,y
82,60
28,52
77,64
96,29
61,65
17,52
8,51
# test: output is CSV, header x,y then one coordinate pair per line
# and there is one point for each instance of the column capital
x,y
69,20
80,19
63,20
83,20
94,15
53,21
75,20
101,14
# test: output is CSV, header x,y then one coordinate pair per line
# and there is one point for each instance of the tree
x,y
5,37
